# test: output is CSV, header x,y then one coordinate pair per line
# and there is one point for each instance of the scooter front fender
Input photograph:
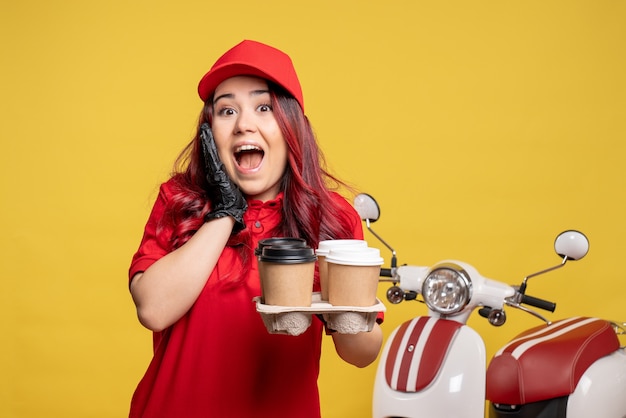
x,y
412,382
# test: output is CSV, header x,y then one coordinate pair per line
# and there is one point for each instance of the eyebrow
x,y
232,96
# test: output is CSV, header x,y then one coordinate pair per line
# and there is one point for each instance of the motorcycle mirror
x,y
571,244
367,207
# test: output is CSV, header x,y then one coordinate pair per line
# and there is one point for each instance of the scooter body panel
x,y
600,391
458,388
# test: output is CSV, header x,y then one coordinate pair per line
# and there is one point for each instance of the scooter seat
x,y
548,361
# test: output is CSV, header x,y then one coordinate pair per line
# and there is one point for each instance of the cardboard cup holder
x,y
294,320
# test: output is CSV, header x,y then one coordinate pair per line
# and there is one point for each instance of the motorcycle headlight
x,y
447,289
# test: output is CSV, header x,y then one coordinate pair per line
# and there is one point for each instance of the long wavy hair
x,y
308,211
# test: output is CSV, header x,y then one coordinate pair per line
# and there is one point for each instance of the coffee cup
x,y
353,276
289,242
322,251
286,275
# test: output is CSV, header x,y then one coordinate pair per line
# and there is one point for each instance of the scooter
x,y
435,365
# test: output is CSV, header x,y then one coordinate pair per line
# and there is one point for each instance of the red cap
x,y
255,59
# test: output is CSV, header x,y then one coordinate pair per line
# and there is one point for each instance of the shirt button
x,y
258,226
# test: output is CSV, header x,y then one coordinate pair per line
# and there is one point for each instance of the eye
x,y
226,111
265,107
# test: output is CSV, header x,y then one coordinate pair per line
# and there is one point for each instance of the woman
x,y
253,171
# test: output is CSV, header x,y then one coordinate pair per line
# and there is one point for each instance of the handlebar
x,y
539,303
410,286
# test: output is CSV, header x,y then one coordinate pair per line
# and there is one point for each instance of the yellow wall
x,y
483,128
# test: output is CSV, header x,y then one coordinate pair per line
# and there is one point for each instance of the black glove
x,y
226,198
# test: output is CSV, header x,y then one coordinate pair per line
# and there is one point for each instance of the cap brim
x,y
213,78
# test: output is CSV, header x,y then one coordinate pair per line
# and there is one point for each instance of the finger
x,y
205,137
216,173
208,145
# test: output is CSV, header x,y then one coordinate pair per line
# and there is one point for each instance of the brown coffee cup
x,y
286,275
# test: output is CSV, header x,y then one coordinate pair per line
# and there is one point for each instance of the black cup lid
x,y
279,242
287,255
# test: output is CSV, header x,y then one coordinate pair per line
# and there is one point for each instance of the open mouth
x,y
249,157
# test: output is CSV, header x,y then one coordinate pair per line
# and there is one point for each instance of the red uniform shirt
x,y
219,359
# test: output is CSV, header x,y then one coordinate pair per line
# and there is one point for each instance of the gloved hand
x,y
226,198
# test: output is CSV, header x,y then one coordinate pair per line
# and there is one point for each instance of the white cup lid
x,y
325,246
355,256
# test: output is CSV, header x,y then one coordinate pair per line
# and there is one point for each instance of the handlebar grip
x,y
384,272
539,303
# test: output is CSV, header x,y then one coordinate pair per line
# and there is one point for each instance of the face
x,y
248,139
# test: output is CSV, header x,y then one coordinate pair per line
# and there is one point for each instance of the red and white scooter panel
x,y
547,361
417,352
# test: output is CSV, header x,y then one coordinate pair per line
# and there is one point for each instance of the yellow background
x,y
482,127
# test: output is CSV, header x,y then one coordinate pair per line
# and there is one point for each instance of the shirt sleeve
x,y
151,247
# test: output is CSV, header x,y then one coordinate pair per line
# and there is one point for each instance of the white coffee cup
x,y
353,275
322,251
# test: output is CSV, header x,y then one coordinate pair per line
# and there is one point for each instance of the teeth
x,y
247,148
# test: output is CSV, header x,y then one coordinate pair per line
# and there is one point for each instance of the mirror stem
x,y
394,261
522,288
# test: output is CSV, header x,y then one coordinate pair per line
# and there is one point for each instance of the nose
x,y
245,122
